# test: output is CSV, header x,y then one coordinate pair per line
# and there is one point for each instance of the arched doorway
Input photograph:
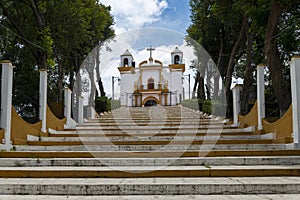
x,y
125,61
150,102
150,85
176,59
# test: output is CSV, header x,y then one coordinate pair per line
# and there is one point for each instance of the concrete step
x,y
152,143
151,123
147,154
180,161
149,148
99,130
149,138
149,171
153,128
152,186
156,197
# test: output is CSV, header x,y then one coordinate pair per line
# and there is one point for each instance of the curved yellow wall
x,y
250,119
283,127
20,129
53,122
1,134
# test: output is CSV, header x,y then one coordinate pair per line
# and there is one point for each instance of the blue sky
x,y
133,14
141,23
176,16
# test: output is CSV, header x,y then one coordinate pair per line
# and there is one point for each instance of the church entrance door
x,y
150,102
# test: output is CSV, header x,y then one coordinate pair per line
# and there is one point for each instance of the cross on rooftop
x,y
150,49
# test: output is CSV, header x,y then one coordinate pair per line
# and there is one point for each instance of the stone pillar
x,y
80,110
67,109
6,102
260,95
236,90
295,86
43,99
67,102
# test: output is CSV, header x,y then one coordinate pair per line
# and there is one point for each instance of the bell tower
x,y
127,59
177,57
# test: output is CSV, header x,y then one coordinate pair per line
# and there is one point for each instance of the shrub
x,y
103,104
207,106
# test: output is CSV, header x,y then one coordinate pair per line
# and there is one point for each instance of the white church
x,y
151,83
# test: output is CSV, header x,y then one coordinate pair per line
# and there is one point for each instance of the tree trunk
x,y
195,85
98,72
93,85
220,67
248,76
239,42
60,81
274,63
201,90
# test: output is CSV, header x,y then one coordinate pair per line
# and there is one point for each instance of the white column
x,y
236,103
80,110
260,95
67,102
295,86
67,109
43,99
6,102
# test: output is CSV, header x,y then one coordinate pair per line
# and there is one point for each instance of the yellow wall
x,y
250,119
1,134
20,128
53,122
283,127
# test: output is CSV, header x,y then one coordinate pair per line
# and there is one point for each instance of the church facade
x,y
151,83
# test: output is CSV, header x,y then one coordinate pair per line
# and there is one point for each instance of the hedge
x,y
103,104
207,106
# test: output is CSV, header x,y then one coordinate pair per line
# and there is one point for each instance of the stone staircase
x,y
152,153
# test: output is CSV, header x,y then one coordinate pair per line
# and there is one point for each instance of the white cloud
x,y
133,14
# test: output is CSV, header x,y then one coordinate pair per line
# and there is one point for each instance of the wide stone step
x,y
181,161
91,138
153,154
206,141
149,171
157,132
146,128
169,147
152,186
150,123
155,197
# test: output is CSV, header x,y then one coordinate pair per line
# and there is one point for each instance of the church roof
x,y
177,50
126,53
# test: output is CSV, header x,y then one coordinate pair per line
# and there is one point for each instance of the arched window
x,y
176,59
150,84
125,61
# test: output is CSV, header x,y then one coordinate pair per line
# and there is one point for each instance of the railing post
x,y
67,109
295,86
236,103
6,102
260,95
80,110
43,99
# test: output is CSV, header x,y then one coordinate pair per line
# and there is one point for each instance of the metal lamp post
x,y
113,79
189,80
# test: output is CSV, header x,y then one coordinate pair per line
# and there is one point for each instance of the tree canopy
x,y
240,34
53,35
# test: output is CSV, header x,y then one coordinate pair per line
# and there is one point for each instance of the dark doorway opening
x,y
150,103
